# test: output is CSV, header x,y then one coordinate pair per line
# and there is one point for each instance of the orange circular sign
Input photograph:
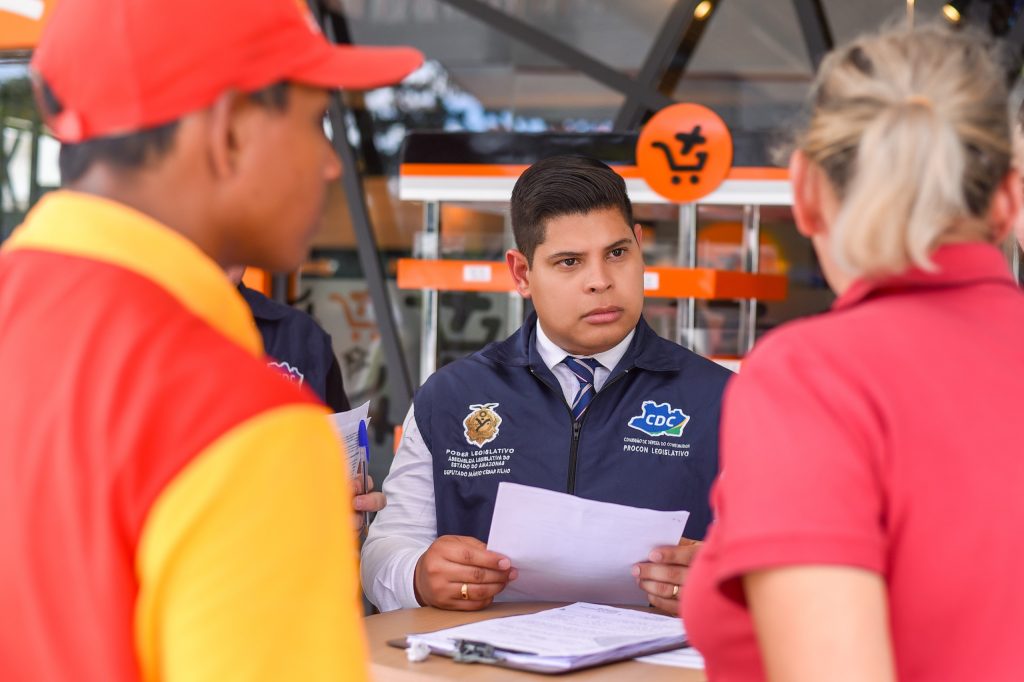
x,y
684,152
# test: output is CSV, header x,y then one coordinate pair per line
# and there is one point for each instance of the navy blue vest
x,y
648,439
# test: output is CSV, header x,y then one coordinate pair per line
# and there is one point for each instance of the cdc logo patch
x,y
659,419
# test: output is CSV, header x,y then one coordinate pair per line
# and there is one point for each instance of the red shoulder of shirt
x,y
122,383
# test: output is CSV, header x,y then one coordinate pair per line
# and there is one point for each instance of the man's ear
x,y
638,234
805,177
225,132
519,268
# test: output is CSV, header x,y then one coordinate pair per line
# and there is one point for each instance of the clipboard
x,y
468,651
555,640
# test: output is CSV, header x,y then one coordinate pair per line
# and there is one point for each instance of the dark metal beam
x,y
34,191
369,254
672,48
279,287
366,240
677,65
814,26
562,52
373,163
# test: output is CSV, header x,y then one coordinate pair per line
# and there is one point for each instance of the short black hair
x,y
559,186
127,152
132,150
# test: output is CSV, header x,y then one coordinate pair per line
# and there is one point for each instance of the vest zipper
x,y
575,430
577,426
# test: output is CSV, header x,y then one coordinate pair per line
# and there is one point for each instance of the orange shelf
x,y
708,283
664,282
453,275
511,170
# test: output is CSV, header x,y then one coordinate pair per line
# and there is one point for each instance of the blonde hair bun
x,y
913,130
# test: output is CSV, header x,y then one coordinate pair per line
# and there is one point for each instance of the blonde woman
x,y
870,513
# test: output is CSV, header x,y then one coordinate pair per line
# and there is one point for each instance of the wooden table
x,y
389,664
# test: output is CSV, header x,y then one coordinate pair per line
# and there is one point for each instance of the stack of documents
x,y
568,638
566,548
680,658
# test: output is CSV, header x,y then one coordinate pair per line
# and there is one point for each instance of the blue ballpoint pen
x,y
364,445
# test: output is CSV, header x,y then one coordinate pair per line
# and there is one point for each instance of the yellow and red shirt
x,y
169,507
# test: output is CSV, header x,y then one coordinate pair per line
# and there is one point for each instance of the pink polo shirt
x,y
888,435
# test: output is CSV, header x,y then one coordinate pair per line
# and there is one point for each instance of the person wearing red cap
x,y
171,508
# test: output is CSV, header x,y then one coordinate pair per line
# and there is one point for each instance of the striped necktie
x,y
583,368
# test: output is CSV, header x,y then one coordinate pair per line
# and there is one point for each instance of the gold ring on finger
x,y
464,590
675,591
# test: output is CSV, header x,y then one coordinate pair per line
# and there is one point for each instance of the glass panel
x,y
28,156
468,321
750,66
783,251
750,37
849,19
719,246
477,78
616,33
485,98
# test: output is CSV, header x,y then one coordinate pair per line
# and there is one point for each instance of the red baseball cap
x,y
119,66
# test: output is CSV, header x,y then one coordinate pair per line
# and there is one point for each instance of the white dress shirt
x,y
407,526
552,356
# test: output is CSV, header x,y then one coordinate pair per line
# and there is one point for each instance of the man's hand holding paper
x,y
663,574
460,573
566,548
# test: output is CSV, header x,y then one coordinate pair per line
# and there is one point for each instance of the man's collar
x,y
644,349
955,265
92,227
552,354
263,308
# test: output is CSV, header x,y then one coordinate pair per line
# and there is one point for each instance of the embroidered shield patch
x,y
481,424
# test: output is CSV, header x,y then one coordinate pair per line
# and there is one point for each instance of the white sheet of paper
x,y
567,548
347,426
569,631
680,658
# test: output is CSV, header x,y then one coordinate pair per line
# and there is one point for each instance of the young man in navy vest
x,y
585,398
